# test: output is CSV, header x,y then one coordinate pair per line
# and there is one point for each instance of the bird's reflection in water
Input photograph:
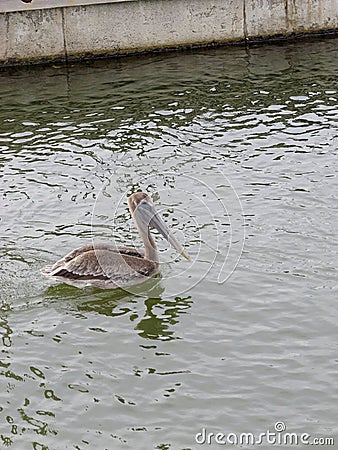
x,y
161,314
155,322
118,302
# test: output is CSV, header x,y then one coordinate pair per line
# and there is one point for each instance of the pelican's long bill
x,y
148,216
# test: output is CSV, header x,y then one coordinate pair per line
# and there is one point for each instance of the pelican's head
x,y
135,199
146,216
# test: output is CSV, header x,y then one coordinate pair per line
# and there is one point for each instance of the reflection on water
x,y
160,313
236,146
157,322
160,316
23,419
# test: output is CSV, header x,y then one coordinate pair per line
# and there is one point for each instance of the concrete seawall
x,y
74,29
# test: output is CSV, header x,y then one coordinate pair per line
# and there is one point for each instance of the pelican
x,y
106,266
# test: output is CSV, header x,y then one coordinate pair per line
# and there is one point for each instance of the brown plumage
x,y
106,266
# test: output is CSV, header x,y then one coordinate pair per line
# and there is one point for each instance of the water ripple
x,y
110,369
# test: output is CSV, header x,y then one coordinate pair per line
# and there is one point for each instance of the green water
x,y
238,148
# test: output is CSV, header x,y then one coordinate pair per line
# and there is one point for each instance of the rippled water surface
x,y
238,148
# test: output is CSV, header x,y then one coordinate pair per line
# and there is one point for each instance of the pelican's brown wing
x,y
100,265
90,247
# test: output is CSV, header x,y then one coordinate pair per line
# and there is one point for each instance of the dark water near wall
x,y
238,148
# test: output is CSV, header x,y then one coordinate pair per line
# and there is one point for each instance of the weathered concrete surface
x,y
3,36
312,15
35,34
109,27
18,5
266,18
285,17
142,25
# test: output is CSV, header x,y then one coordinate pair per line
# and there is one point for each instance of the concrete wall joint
x,y
64,35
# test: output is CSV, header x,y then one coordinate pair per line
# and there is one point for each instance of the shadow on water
x,y
160,314
160,311
86,297
152,315
22,419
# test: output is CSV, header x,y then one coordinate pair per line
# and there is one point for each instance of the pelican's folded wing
x,y
103,265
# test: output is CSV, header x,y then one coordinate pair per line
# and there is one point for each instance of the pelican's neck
x,y
150,250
